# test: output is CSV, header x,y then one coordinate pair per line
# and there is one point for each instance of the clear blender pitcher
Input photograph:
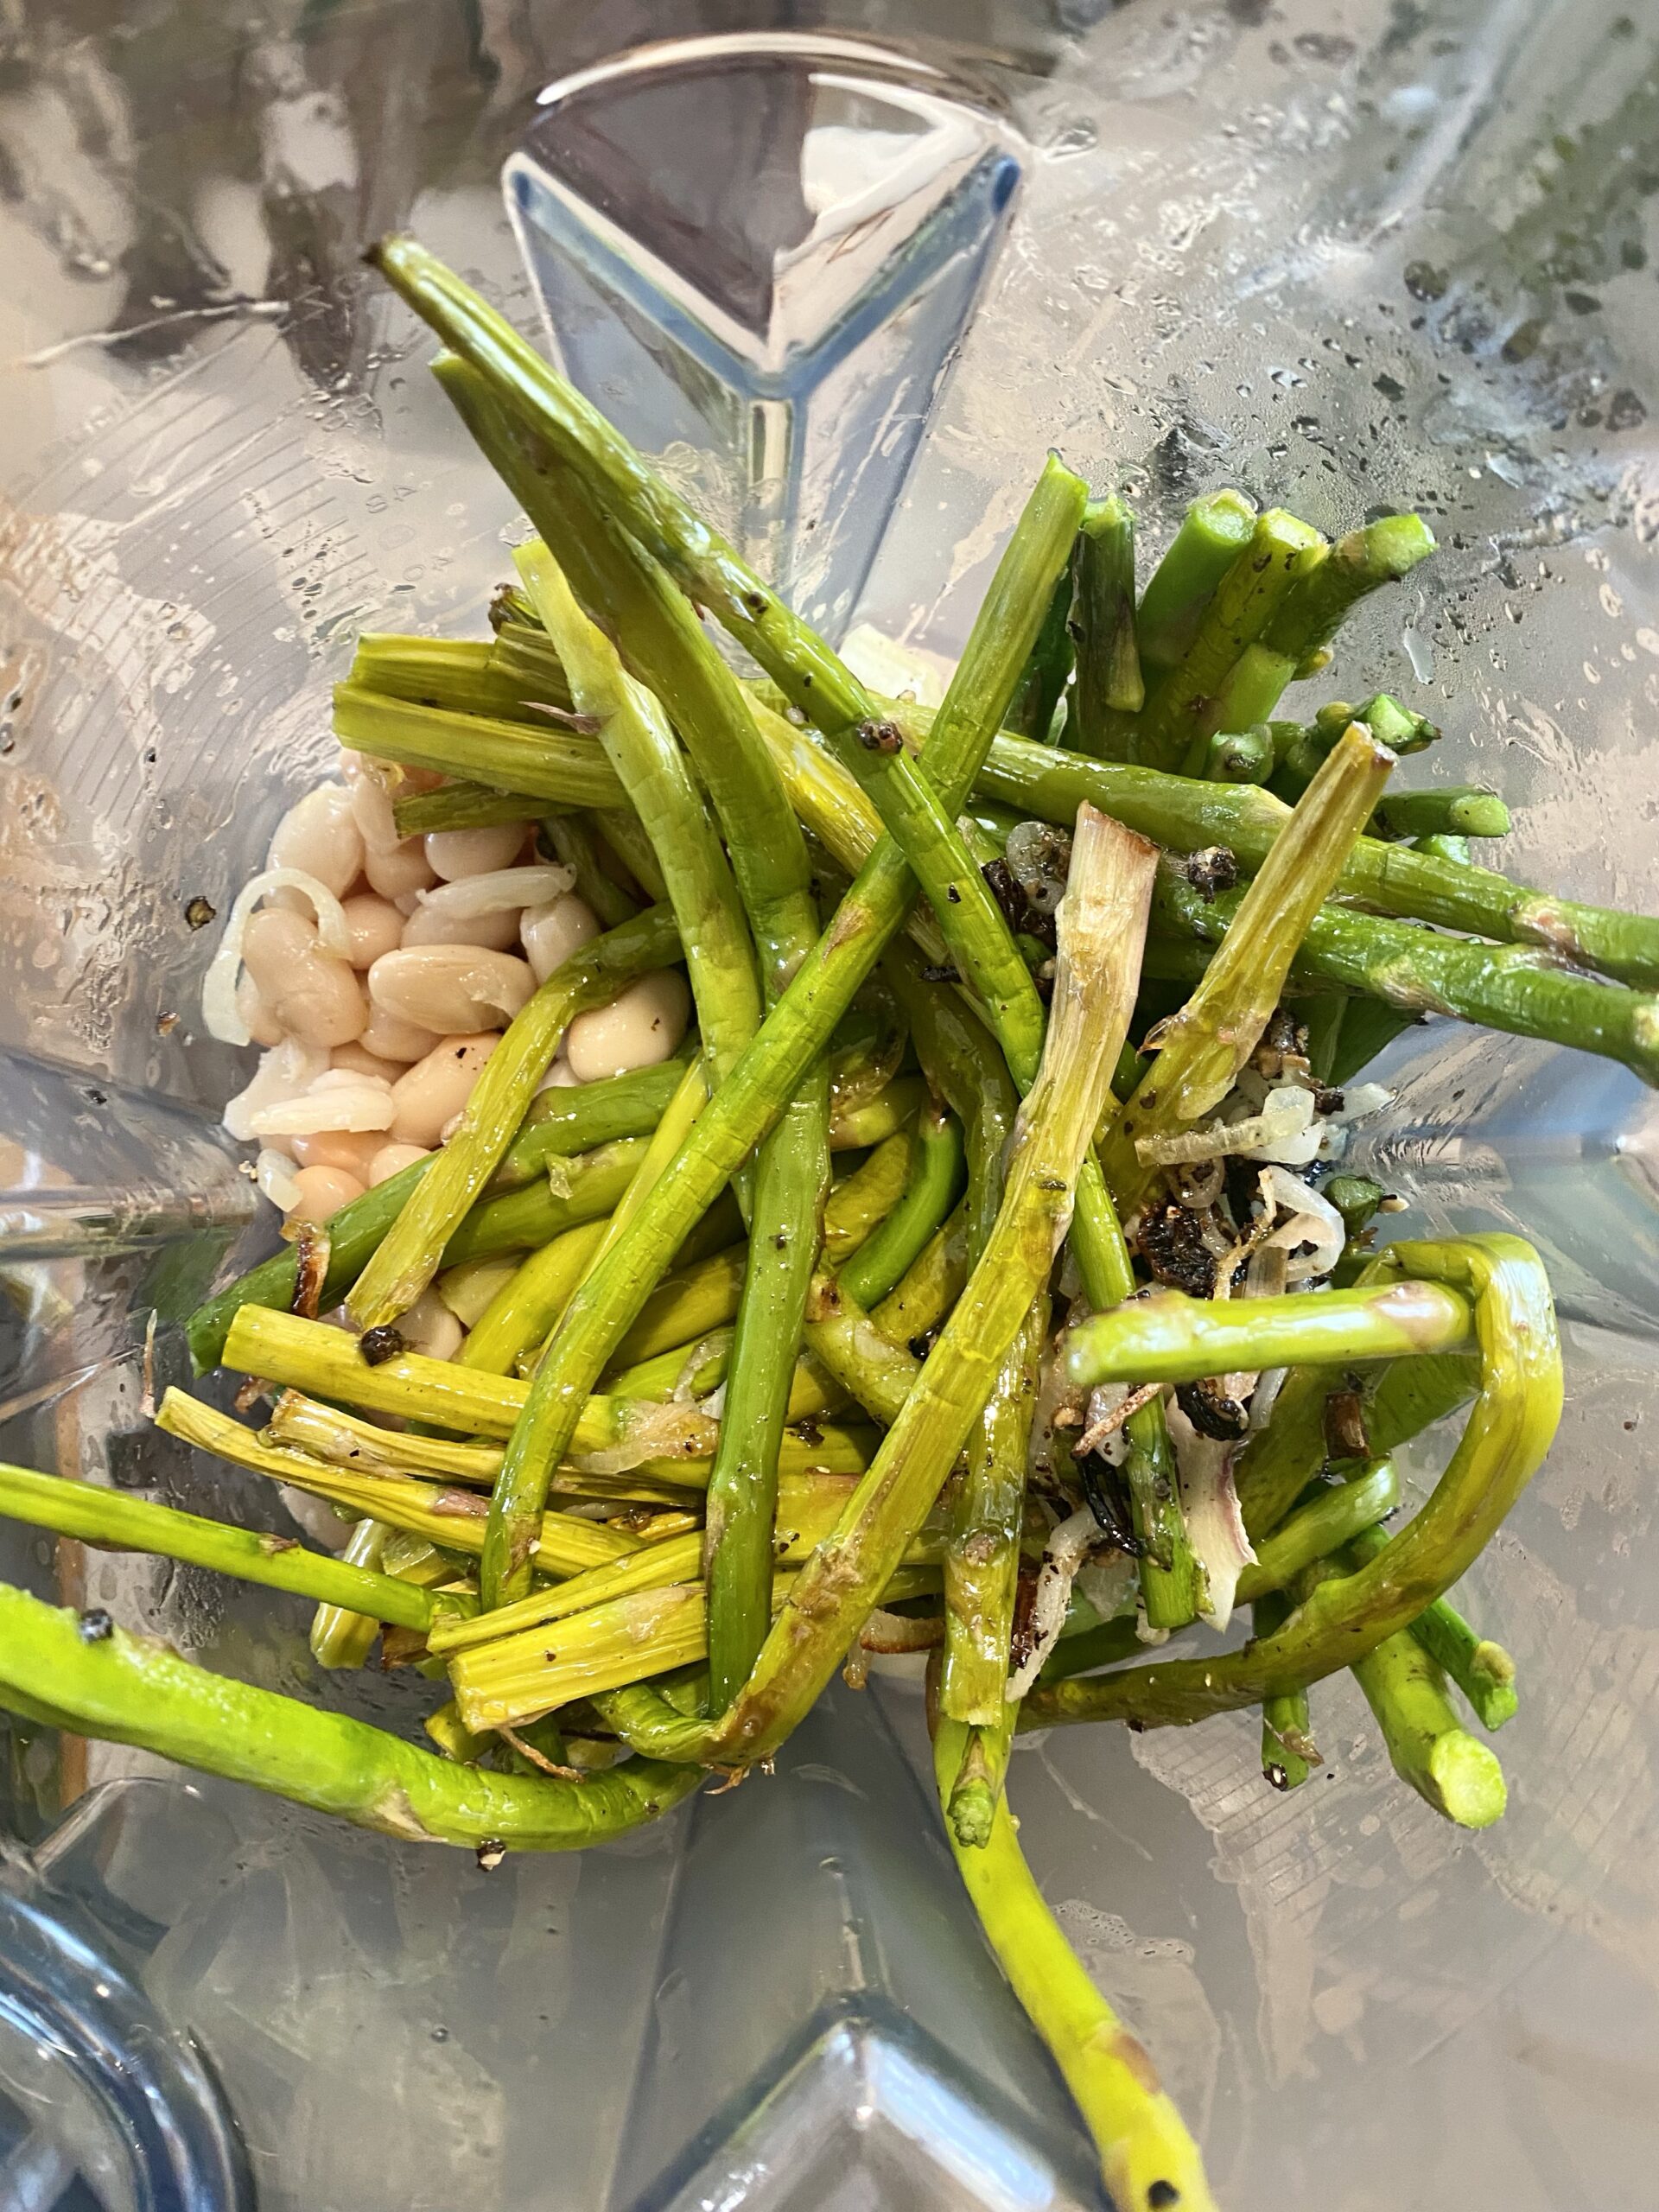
x,y
849,272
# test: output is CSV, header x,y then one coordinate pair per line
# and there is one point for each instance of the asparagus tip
x,y
971,1811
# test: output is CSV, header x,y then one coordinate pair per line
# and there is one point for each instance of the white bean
x,y
345,1149
428,1326
309,996
256,1014
454,853
450,989
399,869
371,809
430,924
437,1089
357,1059
558,1077
552,932
322,1192
374,925
640,1029
392,1158
389,1039
320,835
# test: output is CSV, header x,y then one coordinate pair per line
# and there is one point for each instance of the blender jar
x,y
850,271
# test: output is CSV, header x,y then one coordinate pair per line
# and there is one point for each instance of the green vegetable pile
x,y
1067,975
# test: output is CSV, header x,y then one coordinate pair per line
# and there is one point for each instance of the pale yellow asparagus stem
x,y
454,1519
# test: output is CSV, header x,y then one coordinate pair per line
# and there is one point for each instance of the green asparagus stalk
x,y
573,838
1453,809
127,1689
465,806
982,1564
1399,1400
1288,1751
1482,1670
562,1122
539,760
456,674
1510,988
1445,846
340,1637
641,748
1173,1338
1328,1522
115,1522
1449,1769
880,1373
1109,689
1148,2159
933,1190
1206,1044
1215,530
577,1190
1187,817
1383,552
1047,670
912,1311
1507,1435
1236,757
1191,700
525,1309
669,1133
1100,931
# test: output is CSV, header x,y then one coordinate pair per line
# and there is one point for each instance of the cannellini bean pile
x,y
377,974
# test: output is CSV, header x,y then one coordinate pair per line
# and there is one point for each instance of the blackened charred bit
x,y
1106,1494
1276,1775
1171,1241
953,894
1284,1038
1345,1436
941,974
1210,871
95,1625
755,601
1022,1637
198,912
1006,893
808,1431
1211,1411
919,1346
880,737
1328,1101
490,1854
1161,2195
378,1345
